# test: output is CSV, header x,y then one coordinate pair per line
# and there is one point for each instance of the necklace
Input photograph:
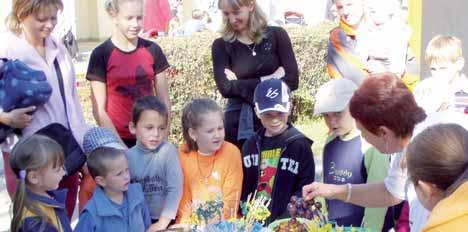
x,y
206,177
252,49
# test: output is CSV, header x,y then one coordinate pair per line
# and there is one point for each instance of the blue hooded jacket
x,y
100,214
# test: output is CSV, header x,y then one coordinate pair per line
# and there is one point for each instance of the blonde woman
x,y
29,40
247,53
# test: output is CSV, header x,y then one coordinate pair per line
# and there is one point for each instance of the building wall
x,y
4,11
93,22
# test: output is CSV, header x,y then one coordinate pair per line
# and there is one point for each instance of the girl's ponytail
x,y
19,202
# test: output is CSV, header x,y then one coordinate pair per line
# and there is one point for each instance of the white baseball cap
x,y
334,96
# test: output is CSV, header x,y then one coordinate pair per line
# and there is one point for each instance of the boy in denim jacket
x,y
116,204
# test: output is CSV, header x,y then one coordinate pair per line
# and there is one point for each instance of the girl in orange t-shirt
x,y
212,167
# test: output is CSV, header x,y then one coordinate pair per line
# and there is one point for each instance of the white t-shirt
x,y
397,182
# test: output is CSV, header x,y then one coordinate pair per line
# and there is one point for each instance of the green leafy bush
x,y
191,74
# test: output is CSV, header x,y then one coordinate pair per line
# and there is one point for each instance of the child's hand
x,y
160,225
156,227
179,226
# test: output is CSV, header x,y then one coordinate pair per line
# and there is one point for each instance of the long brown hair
x,y
257,21
23,8
439,155
31,154
192,116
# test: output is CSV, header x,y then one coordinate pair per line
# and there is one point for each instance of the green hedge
x,y
191,74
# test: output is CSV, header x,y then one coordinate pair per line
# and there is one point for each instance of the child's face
x,y
446,70
117,178
351,11
274,122
209,136
378,11
150,129
340,123
129,19
49,177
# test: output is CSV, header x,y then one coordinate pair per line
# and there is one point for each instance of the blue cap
x,y
101,137
272,95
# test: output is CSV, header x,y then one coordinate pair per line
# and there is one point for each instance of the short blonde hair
x,y
257,21
443,48
23,8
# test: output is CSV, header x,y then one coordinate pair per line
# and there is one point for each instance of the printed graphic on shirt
x,y
461,102
142,86
205,190
339,175
153,185
268,167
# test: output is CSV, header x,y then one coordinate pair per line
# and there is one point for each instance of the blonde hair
x,y
23,8
443,48
31,154
439,155
113,6
257,22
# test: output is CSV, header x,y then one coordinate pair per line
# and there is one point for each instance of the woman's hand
x,y
230,75
328,191
17,118
278,74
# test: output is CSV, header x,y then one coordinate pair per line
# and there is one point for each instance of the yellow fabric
x,y
415,22
450,214
347,29
49,211
411,79
224,181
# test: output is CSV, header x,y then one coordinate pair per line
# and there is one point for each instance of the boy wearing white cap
x,y
278,160
347,158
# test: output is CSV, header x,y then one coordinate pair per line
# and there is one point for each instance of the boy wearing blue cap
x,y
278,160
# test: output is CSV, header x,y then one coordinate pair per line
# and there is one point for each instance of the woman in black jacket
x,y
247,53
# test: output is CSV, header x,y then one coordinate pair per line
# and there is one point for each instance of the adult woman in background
x,y
388,116
29,39
248,52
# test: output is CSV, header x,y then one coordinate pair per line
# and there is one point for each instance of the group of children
x,y
153,185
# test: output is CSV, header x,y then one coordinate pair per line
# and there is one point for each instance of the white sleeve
x,y
418,215
395,182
